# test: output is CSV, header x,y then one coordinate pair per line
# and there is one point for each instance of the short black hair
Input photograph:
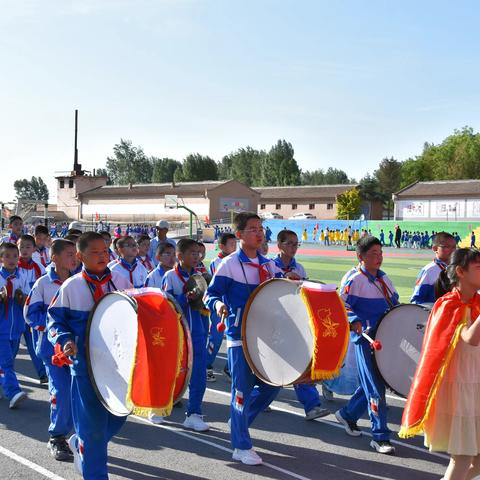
x,y
441,237
41,229
241,219
225,237
59,245
162,246
7,246
72,237
105,234
142,238
75,231
123,240
366,243
27,238
13,218
284,234
86,239
185,244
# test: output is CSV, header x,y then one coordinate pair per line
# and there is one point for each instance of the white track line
x,y
337,425
219,447
29,464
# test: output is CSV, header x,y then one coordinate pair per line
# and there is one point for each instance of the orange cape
x,y
447,318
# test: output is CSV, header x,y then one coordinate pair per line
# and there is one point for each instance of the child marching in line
x,y
444,397
127,263
201,268
13,288
59,379
443,246
16,229
41,255
66,324
112,256
165,261
174,282
31,271
307,393
143,242
368,294
227,244
235,279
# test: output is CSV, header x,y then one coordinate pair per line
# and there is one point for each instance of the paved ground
x,y
291,447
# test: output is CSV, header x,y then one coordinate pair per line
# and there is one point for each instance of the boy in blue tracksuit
x,y
443,245
13,291
66,324
367,295
307,393
59,378
235,279
174,282
227,244
166,259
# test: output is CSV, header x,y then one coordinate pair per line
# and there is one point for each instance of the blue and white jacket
x,y
212,268
152,252
232,284
69,311
12,323
172,284
155,277
364,299
31,275
135,273
293,266
424,291
35,310
42,256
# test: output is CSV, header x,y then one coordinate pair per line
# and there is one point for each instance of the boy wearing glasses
x,y
166,260
443,246
307,393
127,263
235,279
367,294
175,282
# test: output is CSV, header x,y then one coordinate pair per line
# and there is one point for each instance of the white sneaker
x,y
248,457
155,419
17,399
195,422
77,459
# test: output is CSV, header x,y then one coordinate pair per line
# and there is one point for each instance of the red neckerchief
x,y
31,266
442,265
146,263
43,256
97,285
181,277
385,290
221,255
201,268
129,268
9,286
263,273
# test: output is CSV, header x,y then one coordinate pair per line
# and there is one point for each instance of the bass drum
x,y
111,346
400,332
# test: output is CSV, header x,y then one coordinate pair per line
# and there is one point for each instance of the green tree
x,y
33,189
348,204
279,167
196,168
164,169
388,176
102,172
242,165
129,164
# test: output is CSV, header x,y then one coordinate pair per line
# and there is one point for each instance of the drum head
x,y
401,333
111,345
276,334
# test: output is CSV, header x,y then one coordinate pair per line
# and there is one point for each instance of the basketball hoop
x,y
171,201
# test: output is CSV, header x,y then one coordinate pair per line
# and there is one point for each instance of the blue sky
x,y
347,83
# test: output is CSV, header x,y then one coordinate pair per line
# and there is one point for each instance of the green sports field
x,y
329,264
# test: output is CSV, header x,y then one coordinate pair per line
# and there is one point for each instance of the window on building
x,y
278,206
262,206
70,183
311,206
62,183
294,206
329,206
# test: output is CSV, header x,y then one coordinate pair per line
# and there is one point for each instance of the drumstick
x,y
375,344
221,326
